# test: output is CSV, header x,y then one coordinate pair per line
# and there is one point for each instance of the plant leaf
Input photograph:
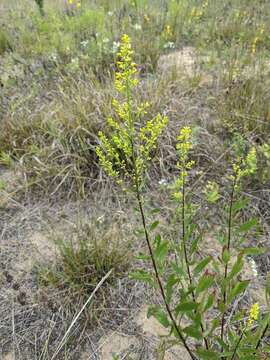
x,y
237,289
209,302
202,264
161,251
237,267
172,280
248,225
226,256
186,307
240,204
159,314
207,354
193,332
154,225
142,275
255,251
204,283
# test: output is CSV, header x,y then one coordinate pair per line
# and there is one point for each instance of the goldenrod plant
x,y
197,291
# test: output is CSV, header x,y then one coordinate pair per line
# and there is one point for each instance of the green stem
x,y
185,253
263,334
237,345
228,248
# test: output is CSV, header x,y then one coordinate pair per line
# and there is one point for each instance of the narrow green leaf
x,y
240,204
142,275
202,264
237,267
193,332
238,289
204,283
143,257
194,244
139,232
209,303
179,270
161,251
157,239
159,314
255,251
248,225
207,354
172,280
186,306
226,256
154,225
155,211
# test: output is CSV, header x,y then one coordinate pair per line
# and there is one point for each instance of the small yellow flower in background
x,y
195,14
253,314
78,5
254,45
70,2
205,4
146,18
262,29
168,30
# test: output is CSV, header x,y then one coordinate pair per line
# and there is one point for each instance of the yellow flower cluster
x,y
253,314
126,151
197,12
76,3
254,45
125,77
146,18
183,147
168,31
257,39
149,135
245,167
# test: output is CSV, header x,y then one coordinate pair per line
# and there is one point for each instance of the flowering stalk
x,y
183,147
124,155
241,168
